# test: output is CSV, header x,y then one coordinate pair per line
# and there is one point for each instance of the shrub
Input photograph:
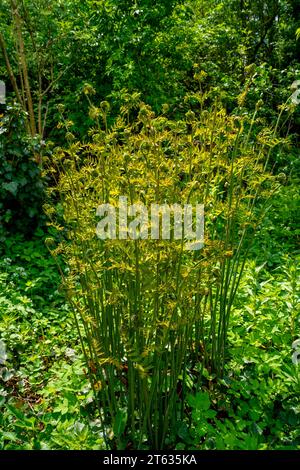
x,y
21,185
151,314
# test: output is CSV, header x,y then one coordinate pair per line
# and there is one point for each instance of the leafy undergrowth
x,y
45,398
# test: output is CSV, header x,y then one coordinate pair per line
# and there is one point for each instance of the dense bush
x,y
154,50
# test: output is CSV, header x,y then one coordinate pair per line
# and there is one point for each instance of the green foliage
x,y
152,48
47,402
168,352
279,234
149,309
256,404
21,185
42,379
